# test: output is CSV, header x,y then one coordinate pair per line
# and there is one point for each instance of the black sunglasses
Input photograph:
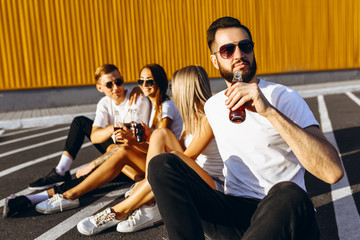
x,y
117,81
227,51
149,82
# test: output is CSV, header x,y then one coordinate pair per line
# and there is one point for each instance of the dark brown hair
x,y
161,81
224,22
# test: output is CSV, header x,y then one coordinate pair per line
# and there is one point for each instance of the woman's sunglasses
x,y
117,81
227,51
149,82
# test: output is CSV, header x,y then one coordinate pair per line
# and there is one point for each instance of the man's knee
x,y
290,193
81,122
160,165
286,188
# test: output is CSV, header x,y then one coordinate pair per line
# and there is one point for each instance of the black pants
x,y
69,184
185,200
80,127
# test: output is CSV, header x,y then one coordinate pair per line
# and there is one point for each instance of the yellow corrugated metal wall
x,y
56,43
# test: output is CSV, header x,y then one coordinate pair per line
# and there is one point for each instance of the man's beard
x,y
245,76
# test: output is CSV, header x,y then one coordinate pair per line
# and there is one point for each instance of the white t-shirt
x,y
170,110
255,156
106,108
210,159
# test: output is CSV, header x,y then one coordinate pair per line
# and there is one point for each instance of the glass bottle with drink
x,y
238,115
118,123
136,126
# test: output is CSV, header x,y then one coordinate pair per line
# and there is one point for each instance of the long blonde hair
x,y
190,90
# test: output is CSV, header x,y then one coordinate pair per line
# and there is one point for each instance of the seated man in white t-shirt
x,y
264,157
99,131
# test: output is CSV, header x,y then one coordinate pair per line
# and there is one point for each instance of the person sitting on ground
x,y
99,131
265,156
190,90
110,82
164,114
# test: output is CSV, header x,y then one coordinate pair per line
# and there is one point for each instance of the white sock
x,y
36,198
63,165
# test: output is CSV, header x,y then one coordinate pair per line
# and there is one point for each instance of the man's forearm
x,y
100,135
310,146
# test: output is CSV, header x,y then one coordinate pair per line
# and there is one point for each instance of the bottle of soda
x,y
239,115
136,126
117,121
117,124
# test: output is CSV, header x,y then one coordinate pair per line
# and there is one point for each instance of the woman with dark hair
x,y
153,83
164,112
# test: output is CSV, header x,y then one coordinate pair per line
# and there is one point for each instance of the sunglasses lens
x,y
109,85
246,47
149,82
227,50
119,82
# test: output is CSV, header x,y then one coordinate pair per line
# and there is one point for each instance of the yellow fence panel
x,y
59,43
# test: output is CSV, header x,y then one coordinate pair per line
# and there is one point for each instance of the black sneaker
x,y
14,205
50,180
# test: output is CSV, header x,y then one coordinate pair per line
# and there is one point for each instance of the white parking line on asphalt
x,y
29,191
34,135
32,146
22,131
353,97
32,162
29,163
326,198
346,214
72,221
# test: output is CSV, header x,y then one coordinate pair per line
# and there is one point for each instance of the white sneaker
x,y
128,192
56,204
98,223
145,216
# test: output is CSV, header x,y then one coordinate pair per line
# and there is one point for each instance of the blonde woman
x,y
190,89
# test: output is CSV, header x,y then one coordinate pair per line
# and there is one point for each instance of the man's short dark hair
x,y
224,22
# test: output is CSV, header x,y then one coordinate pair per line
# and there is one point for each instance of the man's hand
x,y
247,94
125,135
135,92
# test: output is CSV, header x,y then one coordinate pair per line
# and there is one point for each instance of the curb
x,y
41,121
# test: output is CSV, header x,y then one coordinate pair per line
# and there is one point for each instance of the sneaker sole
x,y
45,187
46,211
141,227
84,232
6,209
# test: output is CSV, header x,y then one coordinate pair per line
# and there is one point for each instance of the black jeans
x,y
80,127
69,184
185,200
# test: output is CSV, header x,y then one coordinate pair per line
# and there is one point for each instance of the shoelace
x,y
56,198
135,215
103,217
